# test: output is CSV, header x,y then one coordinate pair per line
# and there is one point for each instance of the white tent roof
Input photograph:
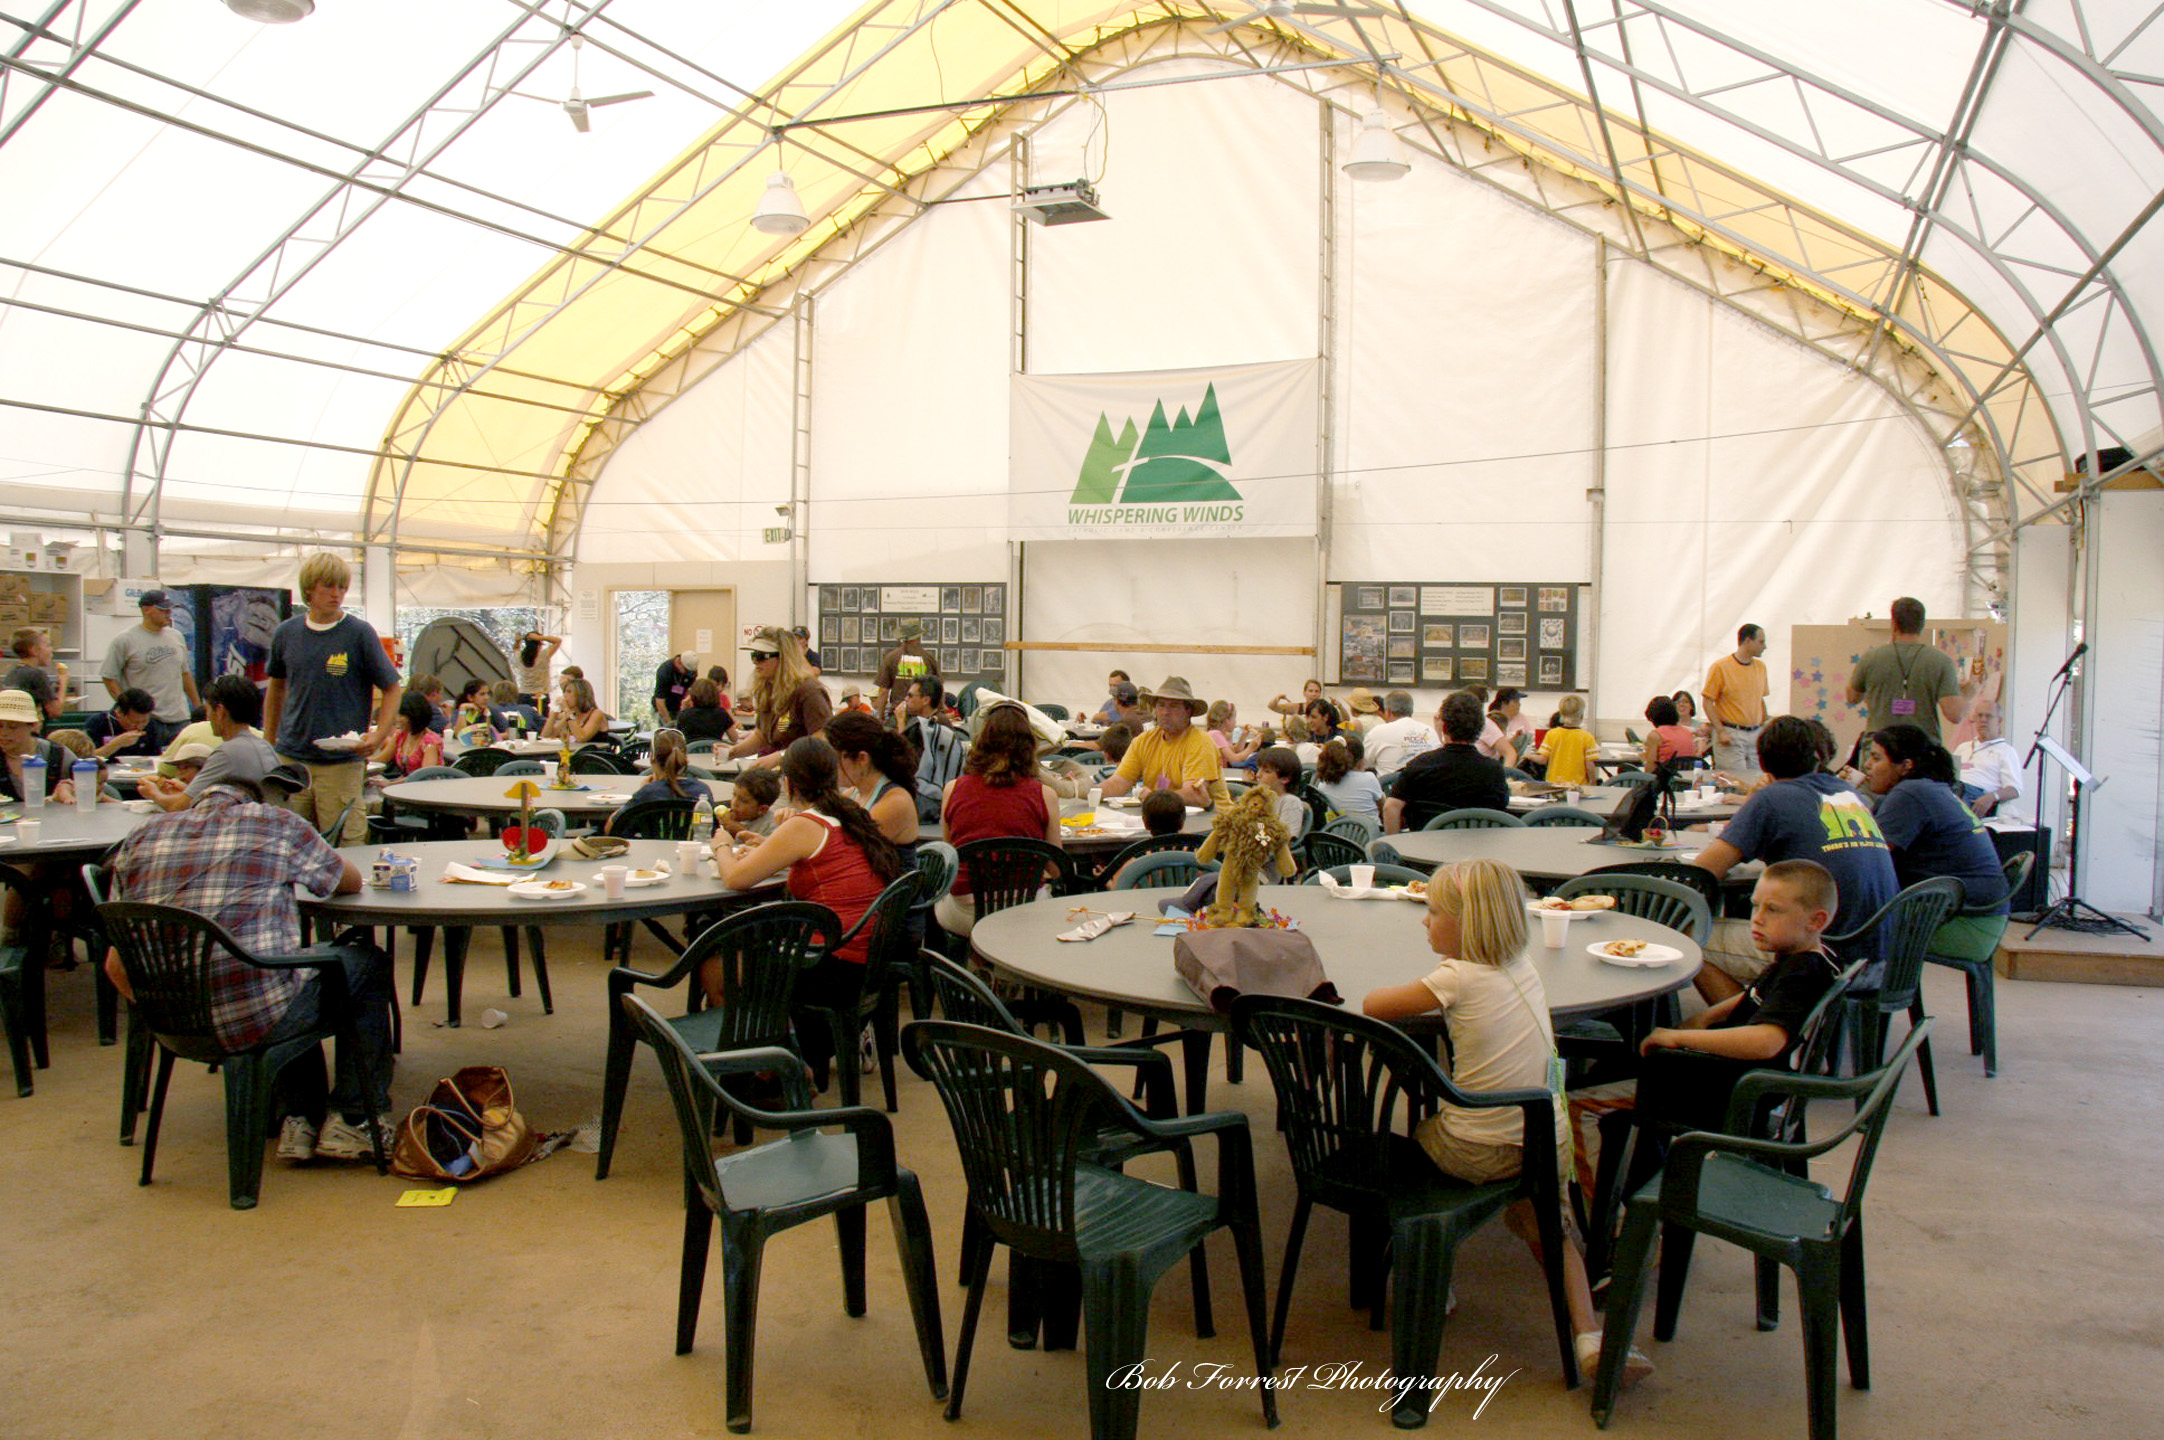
x,y
331,278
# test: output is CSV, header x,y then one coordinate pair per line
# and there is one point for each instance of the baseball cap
x,y
194,750
1126,693
154,598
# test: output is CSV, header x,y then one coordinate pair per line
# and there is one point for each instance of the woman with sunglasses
x,y
788,702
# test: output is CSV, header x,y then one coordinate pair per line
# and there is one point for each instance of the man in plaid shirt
x,y
236,861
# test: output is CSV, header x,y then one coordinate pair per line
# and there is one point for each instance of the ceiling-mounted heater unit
x,y
1068,204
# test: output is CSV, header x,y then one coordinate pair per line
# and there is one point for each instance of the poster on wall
x,y
1440,634
863,622
1227,452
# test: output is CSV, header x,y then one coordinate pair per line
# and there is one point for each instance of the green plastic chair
x,y
1907,922
1056,712
522,766
1339,1079
599,760
937,865
483,760
1169,869
1632,1141
1657,898
1982,977
171,956
1565,815
1326,850
1473,817
1750,1193
1027,1119
1008,872
761,951
968,1000
760,1192
1356,828
885,926
14,1010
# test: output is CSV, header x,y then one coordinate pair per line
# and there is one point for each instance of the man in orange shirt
x,y
1735,695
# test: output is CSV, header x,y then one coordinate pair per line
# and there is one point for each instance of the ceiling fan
x,y
1286,9
576,105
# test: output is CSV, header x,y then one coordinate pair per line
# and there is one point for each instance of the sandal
x,y
1636,1366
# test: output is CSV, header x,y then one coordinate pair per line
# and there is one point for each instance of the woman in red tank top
x,y
835,855
998,796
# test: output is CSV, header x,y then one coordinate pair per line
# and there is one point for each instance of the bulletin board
x,y
1439,636
1822,657
965,627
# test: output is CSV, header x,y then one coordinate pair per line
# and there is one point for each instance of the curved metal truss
x,y
2010,402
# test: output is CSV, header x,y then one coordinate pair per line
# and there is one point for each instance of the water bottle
x,y
34,782
702,818
86,785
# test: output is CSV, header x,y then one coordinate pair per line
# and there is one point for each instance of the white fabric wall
x,y
909,407
1749,478
2124,672
1749,481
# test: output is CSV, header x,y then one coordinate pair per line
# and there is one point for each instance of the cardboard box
x,y
14,589
48,607
13,617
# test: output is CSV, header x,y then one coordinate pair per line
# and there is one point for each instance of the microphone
x,y
2079,651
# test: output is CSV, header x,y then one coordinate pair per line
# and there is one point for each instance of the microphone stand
x,y
2073,912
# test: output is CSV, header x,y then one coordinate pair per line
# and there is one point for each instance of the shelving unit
x,y
66,630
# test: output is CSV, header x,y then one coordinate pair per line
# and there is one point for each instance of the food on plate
x,y
1624,949
1417,889
1552,902
559,885
1593,902
646,874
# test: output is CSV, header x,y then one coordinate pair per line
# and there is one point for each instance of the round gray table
x,y
485,795
1539,852
459,908
65,832
1363,944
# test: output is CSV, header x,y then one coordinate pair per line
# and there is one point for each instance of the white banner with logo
x,y
1165,454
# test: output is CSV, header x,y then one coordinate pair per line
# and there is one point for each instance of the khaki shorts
x,y
1733,952
1480,1162
330,789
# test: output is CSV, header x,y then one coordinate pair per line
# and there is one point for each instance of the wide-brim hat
x,y
1175,688
1362,703
1049,732
194,750
17,705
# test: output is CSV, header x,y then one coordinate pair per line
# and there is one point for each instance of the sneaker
x,y
297,1139
1636,1366
342,1139
867,1052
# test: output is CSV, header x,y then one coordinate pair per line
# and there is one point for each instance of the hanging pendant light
x,y
1378,153
272,12
780,212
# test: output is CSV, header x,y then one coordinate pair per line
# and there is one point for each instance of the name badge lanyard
x,y
1906,704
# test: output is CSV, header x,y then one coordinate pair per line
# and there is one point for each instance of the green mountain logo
x,y
1171,461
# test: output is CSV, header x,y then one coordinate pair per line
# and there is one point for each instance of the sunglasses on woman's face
x,y
760,657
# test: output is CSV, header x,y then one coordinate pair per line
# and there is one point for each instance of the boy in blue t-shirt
x,y
1805,814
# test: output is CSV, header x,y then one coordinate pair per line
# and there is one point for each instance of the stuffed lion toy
x,y
1247,836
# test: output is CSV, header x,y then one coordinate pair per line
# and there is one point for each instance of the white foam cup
x,y
1363,877
612,880
1554,926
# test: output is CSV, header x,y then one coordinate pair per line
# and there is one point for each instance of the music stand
x,y
2068,914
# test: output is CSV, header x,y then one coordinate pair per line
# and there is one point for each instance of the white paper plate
x,y
1405,892
1652,955
610,799
538,890
342,743
1537,909
634,880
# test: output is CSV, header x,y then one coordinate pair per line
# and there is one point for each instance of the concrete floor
x,y
2014,1292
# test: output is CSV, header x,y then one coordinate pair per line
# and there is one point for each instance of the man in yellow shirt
x,y
1173,754
1735,694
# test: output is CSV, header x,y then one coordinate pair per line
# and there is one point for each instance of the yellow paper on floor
x,y
427,1199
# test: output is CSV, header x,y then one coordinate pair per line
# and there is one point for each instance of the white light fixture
x,y
1378,154
780,212
272,12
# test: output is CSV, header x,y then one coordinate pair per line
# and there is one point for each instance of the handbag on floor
x,y
469,1128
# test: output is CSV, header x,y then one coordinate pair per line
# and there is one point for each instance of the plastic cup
x,y
1554,927
688,855
1571,796
27,829
1096,797
1363,877
612,880
493,1019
